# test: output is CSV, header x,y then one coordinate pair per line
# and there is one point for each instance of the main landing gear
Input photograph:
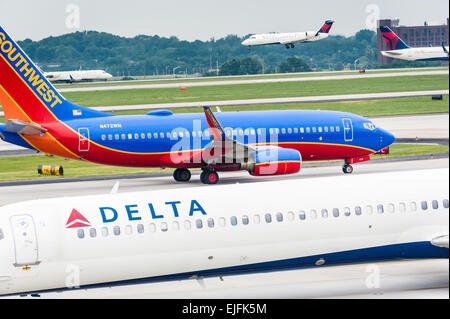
x,y
290,46
182,175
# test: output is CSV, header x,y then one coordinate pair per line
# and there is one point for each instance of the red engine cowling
x,y
275,161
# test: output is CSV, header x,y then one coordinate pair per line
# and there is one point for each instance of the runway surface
x,y
252,81
13,194
406,126
400,279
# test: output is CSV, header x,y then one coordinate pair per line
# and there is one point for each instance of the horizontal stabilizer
x,y
24,128
441,241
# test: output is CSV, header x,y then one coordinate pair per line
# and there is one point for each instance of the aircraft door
x,y
25,240
348,130
83,145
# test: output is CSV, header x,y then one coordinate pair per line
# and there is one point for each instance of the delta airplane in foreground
x,y
76,76
400,50
166,234
289,40
263,143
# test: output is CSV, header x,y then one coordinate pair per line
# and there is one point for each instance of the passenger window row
x,y
266,218
228,132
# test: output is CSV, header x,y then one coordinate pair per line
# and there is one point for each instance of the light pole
x,y
357,60
174,69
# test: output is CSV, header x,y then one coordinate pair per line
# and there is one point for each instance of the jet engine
x,y
273,161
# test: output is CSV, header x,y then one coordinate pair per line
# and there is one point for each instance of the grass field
x,y
25,168
260,90
237,78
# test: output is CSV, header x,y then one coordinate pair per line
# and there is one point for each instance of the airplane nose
x,y
386,138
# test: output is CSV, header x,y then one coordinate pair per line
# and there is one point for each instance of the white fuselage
x,y
304,222
418,54
283,38
73,76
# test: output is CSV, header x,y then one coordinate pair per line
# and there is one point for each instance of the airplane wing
x,y
441,241
223,148
24,128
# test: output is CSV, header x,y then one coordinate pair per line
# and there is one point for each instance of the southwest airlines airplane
x,y
76,76
400,50
263,143
81,241
289,40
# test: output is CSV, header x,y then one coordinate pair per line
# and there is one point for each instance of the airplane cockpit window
x,y
1,234
369,126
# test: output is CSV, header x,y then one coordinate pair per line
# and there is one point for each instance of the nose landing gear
x,y
347,169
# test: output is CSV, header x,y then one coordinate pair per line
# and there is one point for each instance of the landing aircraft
x,y
289,40
398,49
179,233
77,76
263,143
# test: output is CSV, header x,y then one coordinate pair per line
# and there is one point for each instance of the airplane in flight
x,y
264,143
182,233
78,76
398,49
289,40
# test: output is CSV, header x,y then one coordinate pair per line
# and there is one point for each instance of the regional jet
x,y
289,40
263,143
398,49
77,76
183,233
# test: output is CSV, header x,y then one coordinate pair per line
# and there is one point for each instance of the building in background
x,y
414,36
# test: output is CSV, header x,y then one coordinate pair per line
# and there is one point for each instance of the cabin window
x,y
93,232
402,207
256,219
369,210
331,129
116,230
302,215
80,233
271,131
289,130
140,228
222,222
123,136
283,131
161,135
295,130
105,231
314,130
199,223
279,217
347,211
117,137
174,135
358,210
337,129
200,133
290,216
247,132
152,227
319,129
308,130
180,134
194,134
149,135
143,136
391,208
380,209
176,226
268,218
103,137
445,203
128,230
313,214
136,136
277,131
302,130
210,223
324,213
164,227
259,131
1,234
130,136
168,135
336,212
424,205
187,225
233,220
325,129
155,135
413,206
435,204
245,220
241,132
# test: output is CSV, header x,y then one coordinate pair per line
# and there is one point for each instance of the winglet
x,y
216,129
443,47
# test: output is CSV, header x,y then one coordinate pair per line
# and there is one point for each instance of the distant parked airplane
x,y
289,39
398,49
75,76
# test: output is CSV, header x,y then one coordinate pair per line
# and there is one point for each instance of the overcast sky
x,y
202,19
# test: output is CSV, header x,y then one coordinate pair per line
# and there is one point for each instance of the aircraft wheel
x,y
292,46
347,169
182,175
209,177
